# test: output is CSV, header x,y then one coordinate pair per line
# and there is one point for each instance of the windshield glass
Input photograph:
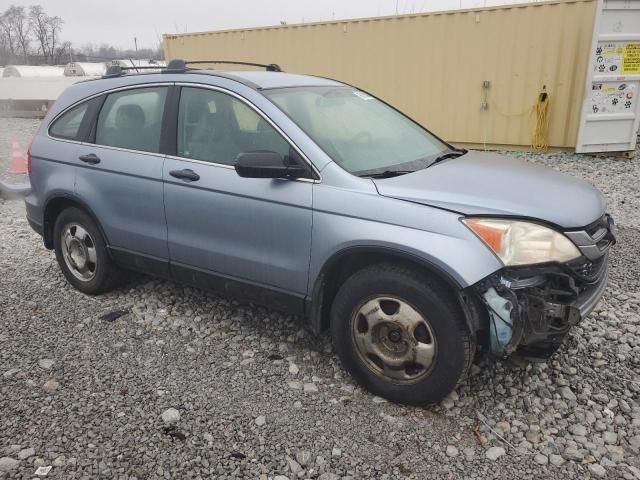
x,y
361,133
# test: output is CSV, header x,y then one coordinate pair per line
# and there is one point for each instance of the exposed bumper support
x,y
531,310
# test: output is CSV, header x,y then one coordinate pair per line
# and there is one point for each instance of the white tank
x,y
139,63
30,71
84,69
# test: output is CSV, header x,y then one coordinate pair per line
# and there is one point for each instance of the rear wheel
x,y
400,334
82,254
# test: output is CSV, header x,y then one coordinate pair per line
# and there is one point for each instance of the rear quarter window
x,y
67,126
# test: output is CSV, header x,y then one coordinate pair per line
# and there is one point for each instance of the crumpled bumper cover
x,y
590,297
531,310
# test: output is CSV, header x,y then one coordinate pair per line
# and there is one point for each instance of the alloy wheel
x,y
79,252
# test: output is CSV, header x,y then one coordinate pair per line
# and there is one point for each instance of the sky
x,y
117,22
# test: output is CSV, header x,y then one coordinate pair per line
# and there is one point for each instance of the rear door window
x,y
67,126
132,119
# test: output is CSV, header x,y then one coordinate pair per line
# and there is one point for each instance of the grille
x,y
595,240
602,232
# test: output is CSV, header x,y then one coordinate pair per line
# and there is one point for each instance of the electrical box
x,y
611,110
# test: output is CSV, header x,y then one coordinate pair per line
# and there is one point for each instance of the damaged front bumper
x,y
531,309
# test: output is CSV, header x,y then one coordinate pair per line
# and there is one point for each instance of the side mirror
x,y
264,164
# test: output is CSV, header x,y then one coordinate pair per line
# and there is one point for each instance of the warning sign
x,y
631,59
617,58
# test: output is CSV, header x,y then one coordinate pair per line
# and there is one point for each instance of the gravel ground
x,y
190,385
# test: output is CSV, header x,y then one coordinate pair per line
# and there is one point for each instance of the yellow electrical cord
x,y
540,134
540,110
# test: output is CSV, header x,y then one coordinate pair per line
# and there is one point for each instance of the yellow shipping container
x,y
433,65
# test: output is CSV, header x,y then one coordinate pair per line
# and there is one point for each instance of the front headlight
x,y
522,243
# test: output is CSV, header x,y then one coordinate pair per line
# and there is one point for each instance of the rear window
x,y
68,125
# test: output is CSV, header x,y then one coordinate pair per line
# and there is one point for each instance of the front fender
x,y
344,219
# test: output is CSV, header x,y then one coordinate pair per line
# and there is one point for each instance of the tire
x,y
401,334
85,264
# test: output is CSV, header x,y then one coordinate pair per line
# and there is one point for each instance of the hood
x,y
481,183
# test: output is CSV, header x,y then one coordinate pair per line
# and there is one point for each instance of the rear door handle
x,y
91,159
186,174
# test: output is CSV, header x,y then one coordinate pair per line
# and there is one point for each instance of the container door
x,y
611,110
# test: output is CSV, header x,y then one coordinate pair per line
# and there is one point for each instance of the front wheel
x,y
400,334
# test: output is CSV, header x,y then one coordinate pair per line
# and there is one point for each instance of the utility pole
x,y
135,41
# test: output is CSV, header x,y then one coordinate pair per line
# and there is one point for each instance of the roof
x,y
259,80
266,80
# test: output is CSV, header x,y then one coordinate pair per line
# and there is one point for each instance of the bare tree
x,y
39,21
63,53
8,35
3,40
54,25
46,30
103,52
4,47
21,28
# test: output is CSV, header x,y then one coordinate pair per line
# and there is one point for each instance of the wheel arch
x,y
351,259
54,205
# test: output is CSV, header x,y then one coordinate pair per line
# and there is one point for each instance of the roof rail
x,y
118,70
176,66
179,65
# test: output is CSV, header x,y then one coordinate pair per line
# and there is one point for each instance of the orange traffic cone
x,y
18,162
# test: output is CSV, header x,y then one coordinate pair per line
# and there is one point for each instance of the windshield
x,y
361,133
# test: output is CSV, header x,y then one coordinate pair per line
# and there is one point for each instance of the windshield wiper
x,y
450,154
387,174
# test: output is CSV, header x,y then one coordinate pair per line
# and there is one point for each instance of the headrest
x,y
130,115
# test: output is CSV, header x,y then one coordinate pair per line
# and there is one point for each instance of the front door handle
x,y
91,159
186,174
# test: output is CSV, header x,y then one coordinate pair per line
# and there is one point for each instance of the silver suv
x,y
315,197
